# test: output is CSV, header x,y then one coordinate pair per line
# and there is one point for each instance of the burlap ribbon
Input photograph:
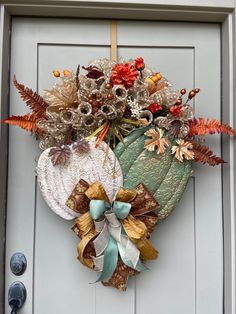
x,y
108,230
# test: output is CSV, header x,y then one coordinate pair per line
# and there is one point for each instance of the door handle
x,y
16,296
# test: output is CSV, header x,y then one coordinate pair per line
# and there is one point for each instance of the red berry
x,y
176,110
183,91
154,108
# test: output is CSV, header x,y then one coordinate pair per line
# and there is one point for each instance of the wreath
x,y
118,144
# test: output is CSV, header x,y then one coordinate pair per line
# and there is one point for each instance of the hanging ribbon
x,y
113,40
110,231
111,239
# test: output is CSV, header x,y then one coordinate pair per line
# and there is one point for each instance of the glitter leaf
x,y
183,150
59,155
157,140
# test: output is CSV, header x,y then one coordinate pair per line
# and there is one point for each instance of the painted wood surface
x,y
187,277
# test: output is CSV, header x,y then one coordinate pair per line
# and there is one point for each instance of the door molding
x,y
220,11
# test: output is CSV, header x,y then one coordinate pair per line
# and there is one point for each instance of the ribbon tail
x,y
87,261
130,254
110,260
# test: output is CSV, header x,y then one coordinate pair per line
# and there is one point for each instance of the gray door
x,y
188,276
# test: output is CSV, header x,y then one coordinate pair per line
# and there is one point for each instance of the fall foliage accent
x,y
203,126
26,122
157,139
204,155
59,155
183,150
32,99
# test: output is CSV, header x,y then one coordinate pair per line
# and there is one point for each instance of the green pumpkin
x,y
164,175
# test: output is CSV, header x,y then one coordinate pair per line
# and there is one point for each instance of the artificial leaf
x,y
204,155
32,99
81,146
183,150
26,122
93,72
63,95
203,126
157,139
60,155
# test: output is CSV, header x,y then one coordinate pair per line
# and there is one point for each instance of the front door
x,y
187,278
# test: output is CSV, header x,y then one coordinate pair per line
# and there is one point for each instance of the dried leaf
x,y
32,99
26,122
203,126
204,155
183,150
63,95
60,155
81,146
93,72
157,139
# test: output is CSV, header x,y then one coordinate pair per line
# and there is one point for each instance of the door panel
x,y
187,277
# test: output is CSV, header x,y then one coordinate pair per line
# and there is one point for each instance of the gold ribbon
x,y
143,206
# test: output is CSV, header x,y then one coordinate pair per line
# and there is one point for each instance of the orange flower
x,y
124,74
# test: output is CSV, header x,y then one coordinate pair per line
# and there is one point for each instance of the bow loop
x,y
97,208
121,209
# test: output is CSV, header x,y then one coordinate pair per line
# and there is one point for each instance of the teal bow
x,y
98,208
112,238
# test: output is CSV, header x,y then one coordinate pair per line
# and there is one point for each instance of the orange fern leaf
x,y
26,122
204,155
32,99
203,126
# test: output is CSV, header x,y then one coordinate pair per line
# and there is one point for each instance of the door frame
x,y
217,11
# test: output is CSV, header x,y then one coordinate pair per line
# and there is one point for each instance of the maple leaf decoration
x,y
59,155
183,150
32,99
204,155
157,139
81,146
203,126
26,122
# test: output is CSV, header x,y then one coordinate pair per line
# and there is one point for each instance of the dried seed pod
x,y
68,116
78,125
52,113
120,92
109,112
89,121
87,83
84,109
120,107
146,114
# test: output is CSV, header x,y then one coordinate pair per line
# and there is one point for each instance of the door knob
x,y
16,296
18,264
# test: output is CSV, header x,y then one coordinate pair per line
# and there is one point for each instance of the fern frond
x,y
203,126
26,122
204,155
35,102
